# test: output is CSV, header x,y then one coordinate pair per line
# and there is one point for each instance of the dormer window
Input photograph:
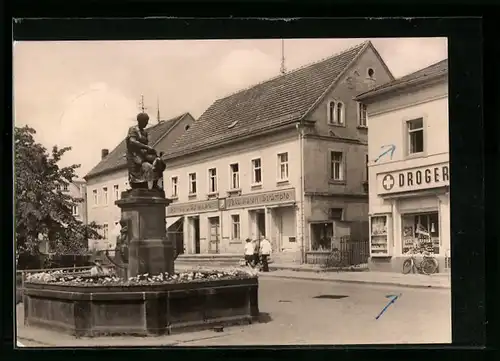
x,y
336,112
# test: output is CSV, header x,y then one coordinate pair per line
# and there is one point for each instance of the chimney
x,y
104,153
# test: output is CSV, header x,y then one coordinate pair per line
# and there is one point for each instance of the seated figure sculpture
x,y
145,166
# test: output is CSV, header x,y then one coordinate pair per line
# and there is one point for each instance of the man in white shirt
x,y
249,250
265,251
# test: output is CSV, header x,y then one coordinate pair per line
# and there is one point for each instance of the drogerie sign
x,y
432,176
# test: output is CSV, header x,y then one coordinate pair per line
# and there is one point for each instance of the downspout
x,y
300,128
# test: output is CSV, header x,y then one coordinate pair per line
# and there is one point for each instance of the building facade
x,y
409,170
109,178
78,189
285,159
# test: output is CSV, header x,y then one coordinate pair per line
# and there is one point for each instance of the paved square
x,y
306,312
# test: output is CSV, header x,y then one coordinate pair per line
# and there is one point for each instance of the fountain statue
x,y
145,297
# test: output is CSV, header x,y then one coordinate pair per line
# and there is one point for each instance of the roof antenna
x,y
158,109
141,104
283,68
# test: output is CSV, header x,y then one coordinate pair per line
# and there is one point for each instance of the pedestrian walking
x,y
265,251
249,252
256,245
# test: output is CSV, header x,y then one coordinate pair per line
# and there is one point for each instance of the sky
x,y
86,94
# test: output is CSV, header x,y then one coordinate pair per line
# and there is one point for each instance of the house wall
x,y
397,202
102,212
346,88
266,147
174,134
277,200
351,139
78,190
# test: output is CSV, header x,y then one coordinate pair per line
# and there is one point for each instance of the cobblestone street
x,y
292,314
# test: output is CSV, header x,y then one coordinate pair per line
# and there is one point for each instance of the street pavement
x,y
345,313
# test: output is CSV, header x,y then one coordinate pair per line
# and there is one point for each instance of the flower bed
x,y
86,305
67,278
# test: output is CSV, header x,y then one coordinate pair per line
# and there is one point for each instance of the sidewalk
x,y
309,272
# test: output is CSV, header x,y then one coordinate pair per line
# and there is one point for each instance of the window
x,y
74,210
321,236
421,231
58,187
336,213
116,191
331,112
336,166
256,171
370,72
235,176
379,241
105,231
339,119
212,180
105,195
336,112
235,230
283,166
367,163
362,115
415,136
192,183
65,187
174,181
96,197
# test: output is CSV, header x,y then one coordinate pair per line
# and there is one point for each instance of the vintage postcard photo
x,y
232,192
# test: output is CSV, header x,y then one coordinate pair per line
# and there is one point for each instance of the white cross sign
x,y
388,182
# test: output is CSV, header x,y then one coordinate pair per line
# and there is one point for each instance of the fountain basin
x,y
142,310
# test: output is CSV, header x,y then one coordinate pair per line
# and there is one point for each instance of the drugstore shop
x,y
411,210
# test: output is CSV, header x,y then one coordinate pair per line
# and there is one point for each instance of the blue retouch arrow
x,y
390,149
393,299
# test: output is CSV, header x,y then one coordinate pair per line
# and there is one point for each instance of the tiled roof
x,y
432,71
276,102
116,158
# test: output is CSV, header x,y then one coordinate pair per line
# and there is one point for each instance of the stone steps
x,y
209,259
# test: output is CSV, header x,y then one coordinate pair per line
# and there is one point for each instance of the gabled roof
x,y
270,104
431,72
116,158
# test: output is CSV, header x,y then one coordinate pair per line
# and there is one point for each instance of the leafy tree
x,y
42,211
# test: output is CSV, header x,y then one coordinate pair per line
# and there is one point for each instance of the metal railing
x,y
21,276
351,252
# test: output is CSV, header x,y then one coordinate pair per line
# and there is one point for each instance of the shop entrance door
x,y
261,224
214,226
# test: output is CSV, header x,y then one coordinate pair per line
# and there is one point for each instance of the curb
x,y
311,270
29,339
406,285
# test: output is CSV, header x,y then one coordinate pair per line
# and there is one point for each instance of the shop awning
x,y
418,193
171,221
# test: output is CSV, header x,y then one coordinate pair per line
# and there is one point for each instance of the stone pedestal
x,y
150,251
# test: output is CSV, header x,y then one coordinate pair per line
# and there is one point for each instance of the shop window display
x,y
379,243
420,231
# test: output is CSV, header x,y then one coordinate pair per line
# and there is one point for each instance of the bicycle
x,y
427,266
